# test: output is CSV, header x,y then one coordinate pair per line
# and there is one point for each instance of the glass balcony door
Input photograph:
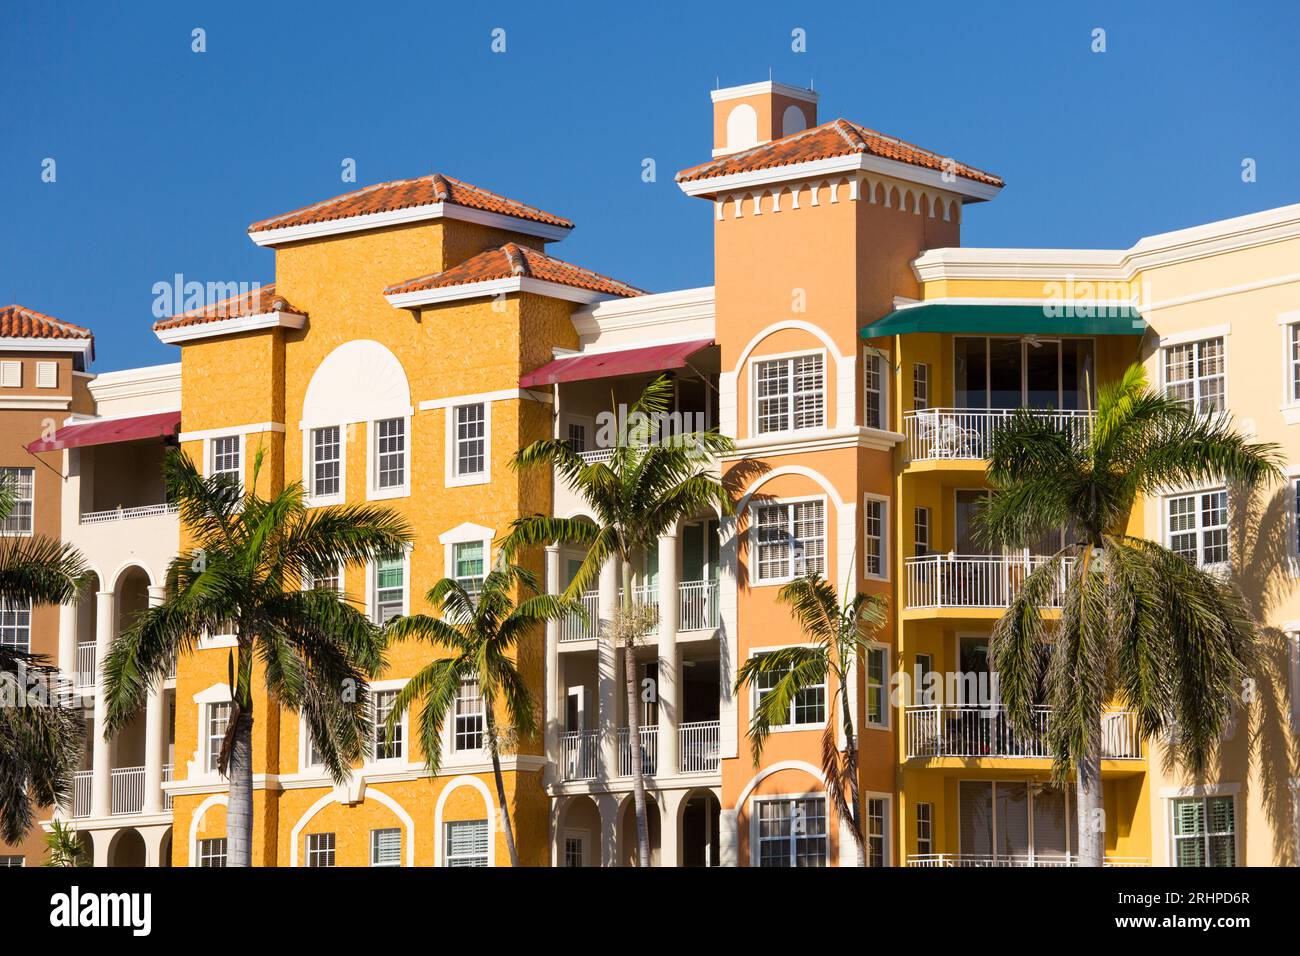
x,y
1028,372
1016,823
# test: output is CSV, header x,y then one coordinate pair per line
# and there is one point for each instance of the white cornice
x,y
822,439
83,347
398,217
758,89
244,323
647,311
839,166
137,383
491,287
13,403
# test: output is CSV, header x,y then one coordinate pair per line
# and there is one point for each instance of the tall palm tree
x,y
839,638
650,482
482,628
40,739
1139,624
249,559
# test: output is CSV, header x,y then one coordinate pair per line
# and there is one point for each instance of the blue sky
x,y
164,156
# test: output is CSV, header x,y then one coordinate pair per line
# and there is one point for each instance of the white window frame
x,y
1195,338
404,739
17,471
886,829
883,573
210,454
788,357
754,810
9,633
920,386
309,465
308,582
752,538
47,374
372,587
917,542
466,533
374,846
792,726
454,478
211,759
1204,794
880,361
451,745
925,844
454,563
1289,325
206,850
885,674
373,491
11,374
1166,535
310,850
447,857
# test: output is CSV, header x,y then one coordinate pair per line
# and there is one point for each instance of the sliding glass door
x,y
1028,372
1016,822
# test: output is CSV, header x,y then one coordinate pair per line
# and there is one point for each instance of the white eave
x,y
758,89
491,287
83,347
970,189
397,217
243,323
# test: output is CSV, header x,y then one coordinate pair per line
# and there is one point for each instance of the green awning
x,y
1075,318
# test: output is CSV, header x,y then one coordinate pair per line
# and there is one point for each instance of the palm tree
x,y
40,739
839,638
65,847
481,627
650,482
1139,624
247,565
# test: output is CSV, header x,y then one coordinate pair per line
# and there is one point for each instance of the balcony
x,y
966,434
86,664
649,751
697,607
127,514
974,580
697,747
584,626
580,754
81,793
128,790
962,731
1015,860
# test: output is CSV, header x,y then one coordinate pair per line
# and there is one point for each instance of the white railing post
x,y
101,791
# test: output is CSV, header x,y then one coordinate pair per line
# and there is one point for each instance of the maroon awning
x,y
651,358
110,431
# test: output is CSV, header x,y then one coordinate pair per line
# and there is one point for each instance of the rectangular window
x,y
325,462
386,847
1194,373
1198,527
792,832
16,625
573,852
921,531
920,386
388,744
791,540
10,860
873,383
471,440
47,374
808,707
924,829
875,830
466,843
218,721
877,701
791,393
577,437
1293,360
390,453
212,852
470,565
1205,832
470,717
21,485
390,590
320,849
875,525
327,582
226,459
11,374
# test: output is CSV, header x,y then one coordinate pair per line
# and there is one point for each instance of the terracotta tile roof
x,y
512,260
839,137
20,322
405,194
254,302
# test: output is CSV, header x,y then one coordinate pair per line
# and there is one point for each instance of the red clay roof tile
x,y
20,322
513,260
254,302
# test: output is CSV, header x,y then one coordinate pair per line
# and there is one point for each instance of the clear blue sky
x,y
165,156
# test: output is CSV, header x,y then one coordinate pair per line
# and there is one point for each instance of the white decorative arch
x,y
811,769
742,127
793,121
781,326
212,800
802,470
371,794
359,381
126,566
465,780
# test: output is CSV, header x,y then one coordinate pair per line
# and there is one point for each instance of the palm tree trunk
x,y
501,787
239,811
851,769
634,728
1091,812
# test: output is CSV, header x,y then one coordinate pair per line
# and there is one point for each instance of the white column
x,y
607,671
728,839
608,804
669,695
670,811
68,641
155,732
553,712
101,781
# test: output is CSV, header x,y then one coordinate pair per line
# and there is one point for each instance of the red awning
x,y
107,432
651,358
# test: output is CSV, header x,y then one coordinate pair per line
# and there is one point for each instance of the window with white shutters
x,y
792,833
227,458
390,454
16,624
326,461
212,853
386,847
1197,527
20,483
790,393
466,843
471,439
790,540
1195,373
1205,832
320,849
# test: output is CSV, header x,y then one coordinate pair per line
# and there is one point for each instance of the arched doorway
x,y
699,828
165,850
627,837
579,833
127,849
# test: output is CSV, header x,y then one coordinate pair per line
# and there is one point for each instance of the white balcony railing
x,y
168,776
975,580
697,605
86,664
697,747
126,514
596,455
967,433
647,594
649,750
128,790
581,627
960,731
81,793
1015,860
581,754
